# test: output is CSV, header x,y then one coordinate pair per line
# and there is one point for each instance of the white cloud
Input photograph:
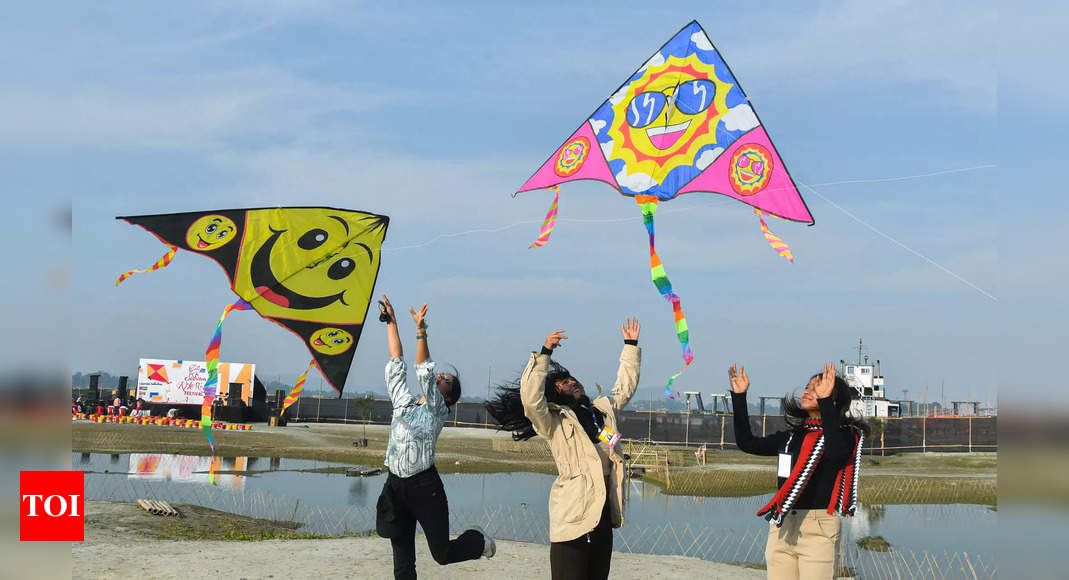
x,y
708,156
701,40
635,181
656,60
597,125
740,118
606,148
618,96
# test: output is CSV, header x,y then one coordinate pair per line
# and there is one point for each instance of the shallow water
x,y
517,501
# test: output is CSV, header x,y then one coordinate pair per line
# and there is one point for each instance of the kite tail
x,y
295,394
777,244
211,386
549,222
161,263
648,203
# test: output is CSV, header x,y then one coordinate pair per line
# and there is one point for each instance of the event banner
x,y
180,382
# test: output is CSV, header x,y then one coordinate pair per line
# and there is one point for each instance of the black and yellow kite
x,y
310,269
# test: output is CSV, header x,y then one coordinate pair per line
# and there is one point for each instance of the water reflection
x,y
931,528
188,469
358,491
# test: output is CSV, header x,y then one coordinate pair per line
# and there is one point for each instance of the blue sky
x,y
434,115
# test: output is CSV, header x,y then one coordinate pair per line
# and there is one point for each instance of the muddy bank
x,y
121,540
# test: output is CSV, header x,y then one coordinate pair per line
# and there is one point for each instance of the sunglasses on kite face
x,y
691,97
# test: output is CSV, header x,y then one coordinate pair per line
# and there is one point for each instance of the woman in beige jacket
x,y
586,500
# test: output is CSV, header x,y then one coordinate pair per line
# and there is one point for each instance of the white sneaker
x,y
489,546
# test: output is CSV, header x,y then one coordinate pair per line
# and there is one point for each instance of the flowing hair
x,y
842,396
506,406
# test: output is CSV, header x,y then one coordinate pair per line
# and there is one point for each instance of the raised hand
x,y
554,338
630,329
826,385
386,311
739,381
420,318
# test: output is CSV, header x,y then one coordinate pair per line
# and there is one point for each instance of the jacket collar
x,y
601,403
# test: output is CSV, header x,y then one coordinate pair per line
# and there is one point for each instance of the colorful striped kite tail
x,y
295,394
648,204
211,386
549,222
161,263
777,244
206,424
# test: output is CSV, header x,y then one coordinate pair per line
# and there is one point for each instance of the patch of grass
x,y
200,523
931,490
883,489
874,544
713,483
749,565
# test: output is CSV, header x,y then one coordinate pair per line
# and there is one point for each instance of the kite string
x,y
900,244
648,204
675,210
211,386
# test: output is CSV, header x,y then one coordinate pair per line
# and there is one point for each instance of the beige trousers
x,y
804,547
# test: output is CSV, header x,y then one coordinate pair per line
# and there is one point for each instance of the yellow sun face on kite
x,y
210,232
312,264
331,341
663,118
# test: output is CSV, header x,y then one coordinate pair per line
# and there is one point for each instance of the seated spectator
x,y
140,410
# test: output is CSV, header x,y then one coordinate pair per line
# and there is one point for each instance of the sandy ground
x,y
121,541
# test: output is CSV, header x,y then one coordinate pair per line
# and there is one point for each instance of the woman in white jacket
x,y
586,501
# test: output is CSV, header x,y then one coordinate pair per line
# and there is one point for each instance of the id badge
x,y
784,469
608,436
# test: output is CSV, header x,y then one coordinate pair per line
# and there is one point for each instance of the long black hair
x,y
842,395
506,406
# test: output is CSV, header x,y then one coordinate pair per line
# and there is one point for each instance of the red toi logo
x,y
51,506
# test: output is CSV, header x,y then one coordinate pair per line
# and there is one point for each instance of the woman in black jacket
x,y
819,460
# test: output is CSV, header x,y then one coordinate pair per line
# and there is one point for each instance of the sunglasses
x,y
691,97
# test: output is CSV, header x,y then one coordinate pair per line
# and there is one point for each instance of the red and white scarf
x,y
843,496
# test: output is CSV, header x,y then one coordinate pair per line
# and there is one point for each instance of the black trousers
x,y
421,498
586,557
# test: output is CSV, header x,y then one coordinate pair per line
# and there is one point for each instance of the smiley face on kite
x,y
310,270
210,232
571,156
664,117
750,168
331,341
310,264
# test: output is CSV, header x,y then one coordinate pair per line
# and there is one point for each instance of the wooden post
x,y
649,424
970,433
883,431
722,432
686,432
319,403
667,472
924,422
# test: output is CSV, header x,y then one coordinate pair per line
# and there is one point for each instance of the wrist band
x,y
421,335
